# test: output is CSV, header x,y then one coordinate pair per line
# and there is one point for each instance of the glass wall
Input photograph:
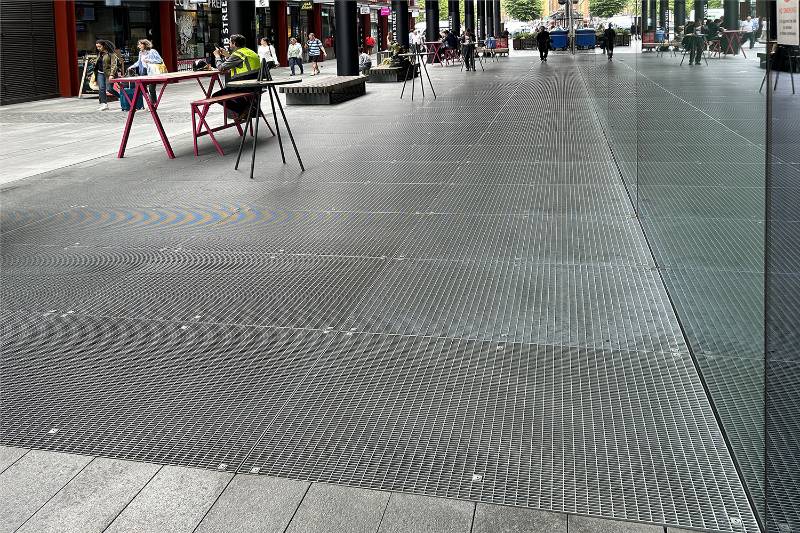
x,y
710,157
198,29
122,23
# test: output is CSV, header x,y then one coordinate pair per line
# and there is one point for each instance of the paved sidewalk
x,y
48,492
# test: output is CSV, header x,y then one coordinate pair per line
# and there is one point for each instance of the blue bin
x,y
559,40
585,38
659,36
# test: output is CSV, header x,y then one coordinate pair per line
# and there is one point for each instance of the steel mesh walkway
x,y
454,300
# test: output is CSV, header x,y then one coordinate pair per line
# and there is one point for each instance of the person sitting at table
x,y
238,63
364,62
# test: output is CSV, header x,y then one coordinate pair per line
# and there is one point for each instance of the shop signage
x,y
788,22
365,10
415,12
307,5
385,11
225,33
262,3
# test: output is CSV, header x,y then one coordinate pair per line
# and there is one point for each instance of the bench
x,y
387,74
201,127
325,90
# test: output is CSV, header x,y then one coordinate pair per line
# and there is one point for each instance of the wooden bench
x,y
325,90
200,110
387,74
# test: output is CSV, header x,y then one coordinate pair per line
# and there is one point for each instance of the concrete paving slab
x,y
504,519
588,524
255,504
338,509
425,514
92,500
10,455
30,482
175,500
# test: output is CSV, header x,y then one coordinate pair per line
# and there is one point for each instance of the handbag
x,y
156,68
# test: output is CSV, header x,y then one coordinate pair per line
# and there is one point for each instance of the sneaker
x,y
103,107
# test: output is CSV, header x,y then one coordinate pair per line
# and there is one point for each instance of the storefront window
x,y
122,23
199,29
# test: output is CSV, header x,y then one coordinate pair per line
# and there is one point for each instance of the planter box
x,y
524,44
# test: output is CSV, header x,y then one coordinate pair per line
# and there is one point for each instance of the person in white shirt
x,y
267,52
295,55
411,37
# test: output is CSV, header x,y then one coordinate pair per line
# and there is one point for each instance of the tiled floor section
x,y
50,492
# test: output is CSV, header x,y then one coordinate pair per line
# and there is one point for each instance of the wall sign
x,y
307,6
364,10
788,22
385,11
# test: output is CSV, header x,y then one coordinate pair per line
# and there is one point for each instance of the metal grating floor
x,y
403,316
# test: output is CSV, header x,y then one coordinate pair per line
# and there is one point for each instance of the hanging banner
x,y
385,11
788,22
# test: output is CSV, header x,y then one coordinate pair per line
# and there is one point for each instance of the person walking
x,y
107,67
609,36
266,52
149,63
634,33
295,54
315,52
543,43
238,63
468,50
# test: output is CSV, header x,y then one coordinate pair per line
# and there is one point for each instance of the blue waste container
x,y
659,36
585,38
559,40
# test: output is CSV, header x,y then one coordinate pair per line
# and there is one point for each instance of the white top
x,y
268,53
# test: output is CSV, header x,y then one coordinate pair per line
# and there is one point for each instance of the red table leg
x,y
157,122
129,121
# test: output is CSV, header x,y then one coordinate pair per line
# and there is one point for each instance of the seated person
x,y
364,62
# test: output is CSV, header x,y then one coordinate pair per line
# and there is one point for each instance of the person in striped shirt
x,y
315,52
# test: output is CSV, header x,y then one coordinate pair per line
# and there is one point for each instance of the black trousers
x,y
239,105
610,50
468,55
543,51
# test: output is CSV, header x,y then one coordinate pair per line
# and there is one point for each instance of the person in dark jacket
x,y
543,43
107,67
609,36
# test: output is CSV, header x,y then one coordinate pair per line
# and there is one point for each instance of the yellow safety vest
x,y
250,62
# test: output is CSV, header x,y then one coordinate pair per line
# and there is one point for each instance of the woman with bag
x,y
107,66
267,52
149,63
316,52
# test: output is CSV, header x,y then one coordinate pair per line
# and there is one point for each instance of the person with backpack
x,y
107,67
315,52
364,62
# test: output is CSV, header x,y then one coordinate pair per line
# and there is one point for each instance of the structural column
x,y
383,32
680,14
431,20
366,29
645,21
400,22
454,16
481,28
346,41
316,20
168,46
730,15
242,20
662,14
489,17
280,29
67,49
496,8
651,9
699,10
469,15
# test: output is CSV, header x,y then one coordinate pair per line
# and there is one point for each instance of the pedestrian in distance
x,y
107,67
315,52
149,63
468,50
609,36
543,43
295,55
364,62
267,53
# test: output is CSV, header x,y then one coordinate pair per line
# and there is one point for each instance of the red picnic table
x,y
141,84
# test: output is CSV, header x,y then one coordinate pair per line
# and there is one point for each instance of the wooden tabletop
x,y
170,76
245,84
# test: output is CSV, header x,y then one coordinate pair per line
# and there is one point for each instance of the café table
x,y
258,87
141,85
433,48
415,62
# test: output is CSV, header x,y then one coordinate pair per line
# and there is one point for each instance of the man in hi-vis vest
x,y
238,63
